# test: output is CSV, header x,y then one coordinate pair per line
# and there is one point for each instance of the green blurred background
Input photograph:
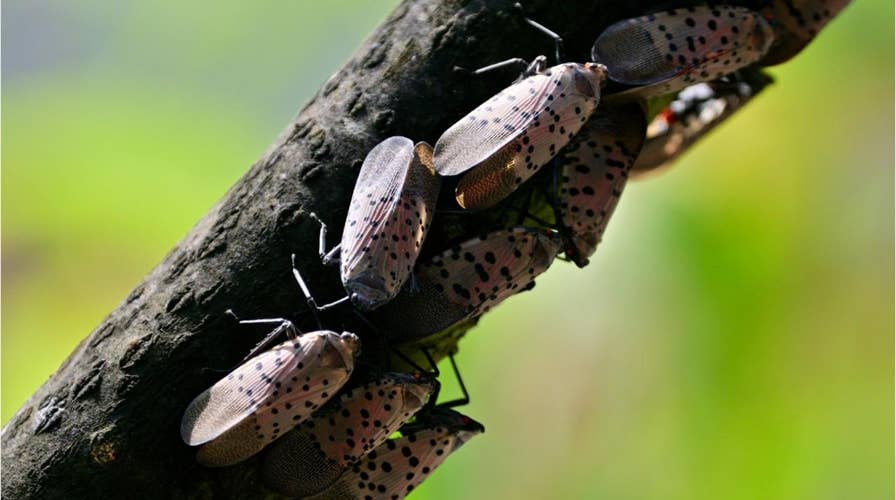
x,y
733,337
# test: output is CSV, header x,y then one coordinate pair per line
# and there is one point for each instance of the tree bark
x,y
107,421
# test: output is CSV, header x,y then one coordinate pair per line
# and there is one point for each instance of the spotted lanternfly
x,y
593,171
311,457
796,23
507,139
268,395
468,279
391,209
664,52
396,467
696,111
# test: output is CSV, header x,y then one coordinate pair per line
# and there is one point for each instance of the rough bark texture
x,y
106,423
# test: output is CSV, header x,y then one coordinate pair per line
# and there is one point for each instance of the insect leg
x,y
333,304
558,40
554,195
413,364
283,326
414,286
523,214
516,61
328,257
466,398
382,336
332,257
308,298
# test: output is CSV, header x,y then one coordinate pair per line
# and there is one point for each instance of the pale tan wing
x,y
667,51
796,23
391,209
398,466
555,125
480,273
278,388
323,447
506,116
593,171
492,125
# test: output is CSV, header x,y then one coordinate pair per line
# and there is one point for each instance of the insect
x,y
696,111
399,465
796,23
268,395
391,209
507,139
311,457
468,279
593,171
664,52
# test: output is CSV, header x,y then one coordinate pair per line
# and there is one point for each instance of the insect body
x,y
468,279
310,458
664,52
391,209
396,467
696,111
511,136
593,171
796,23
268,395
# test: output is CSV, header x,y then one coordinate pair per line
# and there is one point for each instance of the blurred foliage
x,y
732,338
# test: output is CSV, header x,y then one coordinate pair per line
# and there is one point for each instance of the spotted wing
x,y
501,152
667,51
391,209
396,467
593,172
368,415
232,447
695,112
278,388
796,23
526,108
480,273
492,125
326,445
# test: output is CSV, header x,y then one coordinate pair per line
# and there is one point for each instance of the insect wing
x,y
234,446
309,459
419,313
796,23
480,273
492,125
695,112
278,388
391,209
398,466
667,51
509,137
593,171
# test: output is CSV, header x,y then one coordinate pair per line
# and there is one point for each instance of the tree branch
x,y
107,421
